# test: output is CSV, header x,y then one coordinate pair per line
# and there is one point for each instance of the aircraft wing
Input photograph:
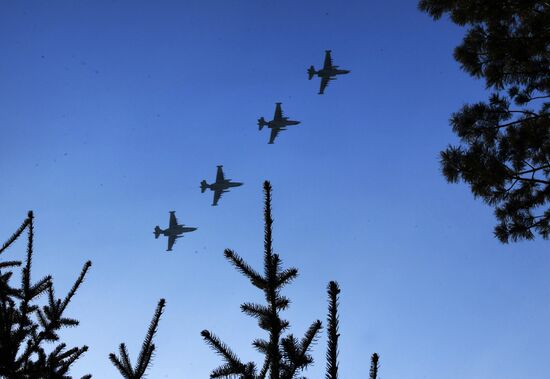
x,y
274,133
328,60
219,175
173,219
278,113
324,84
171,242
217,196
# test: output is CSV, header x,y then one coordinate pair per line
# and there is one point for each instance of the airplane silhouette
x,y
174,230
220,186
278,123
327,73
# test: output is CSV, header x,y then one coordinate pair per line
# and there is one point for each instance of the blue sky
x,y
112,112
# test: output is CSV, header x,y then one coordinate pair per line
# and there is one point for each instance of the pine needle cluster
x,y
27,328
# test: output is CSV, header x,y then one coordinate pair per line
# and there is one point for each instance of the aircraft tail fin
x,y
204,186
157,231
261,123
311,72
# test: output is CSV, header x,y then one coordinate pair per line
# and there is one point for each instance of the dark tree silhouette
x,y
332,329
374,366
504,150
123,363
285,356
26,327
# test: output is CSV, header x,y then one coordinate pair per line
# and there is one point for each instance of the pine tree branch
x,y
70,357
7,264
286,276
265,366
268,220
124,365
374,366
77,284
223,350
147,347
270,268
332,321
533,169
255,278
120,366
531,180
224,371
261,345
125,357
255,310
27,271
298,353
17,233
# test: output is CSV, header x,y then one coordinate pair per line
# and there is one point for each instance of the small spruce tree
x,y
332,329
285,356
374,366
26,327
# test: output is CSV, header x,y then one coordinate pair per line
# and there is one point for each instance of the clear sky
x,y
112,112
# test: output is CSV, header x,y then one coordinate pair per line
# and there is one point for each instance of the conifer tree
x,y
332,329
504,150
26,327
284,356
374,366
123,363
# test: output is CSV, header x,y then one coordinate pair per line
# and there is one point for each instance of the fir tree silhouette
x,y
123,363
25,327
285,356
332,321
374,366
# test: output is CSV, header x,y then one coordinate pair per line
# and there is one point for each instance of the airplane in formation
x,y
174,230
220,186
278,123
327,73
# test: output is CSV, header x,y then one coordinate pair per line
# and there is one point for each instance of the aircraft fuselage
x,y
323,73
177,230
281,123
223,185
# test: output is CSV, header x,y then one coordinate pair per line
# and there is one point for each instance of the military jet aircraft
x,y
327,73
174,231
220,186
278,123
